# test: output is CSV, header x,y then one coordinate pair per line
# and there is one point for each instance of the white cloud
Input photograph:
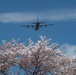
x,y
69,49
16,17
53,15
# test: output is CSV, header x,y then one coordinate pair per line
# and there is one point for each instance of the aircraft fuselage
x,y
37,26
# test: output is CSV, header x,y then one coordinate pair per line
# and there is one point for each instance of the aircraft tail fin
x,y
37,20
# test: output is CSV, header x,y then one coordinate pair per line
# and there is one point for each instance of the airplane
x,y
36,25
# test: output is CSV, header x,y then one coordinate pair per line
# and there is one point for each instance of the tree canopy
x,y
41,58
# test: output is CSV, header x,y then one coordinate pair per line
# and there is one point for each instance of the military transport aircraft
x,y
36,25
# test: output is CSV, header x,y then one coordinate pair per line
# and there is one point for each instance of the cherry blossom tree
x,y
41,58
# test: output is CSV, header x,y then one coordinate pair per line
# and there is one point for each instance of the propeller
x,y
27,26
45,25
32,26
40,25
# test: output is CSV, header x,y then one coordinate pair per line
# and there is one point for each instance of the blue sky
x,y
60,12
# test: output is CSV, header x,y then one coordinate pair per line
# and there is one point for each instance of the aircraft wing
x,y
27,26
46,25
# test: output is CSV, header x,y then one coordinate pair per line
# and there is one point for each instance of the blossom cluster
x,y
37,58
